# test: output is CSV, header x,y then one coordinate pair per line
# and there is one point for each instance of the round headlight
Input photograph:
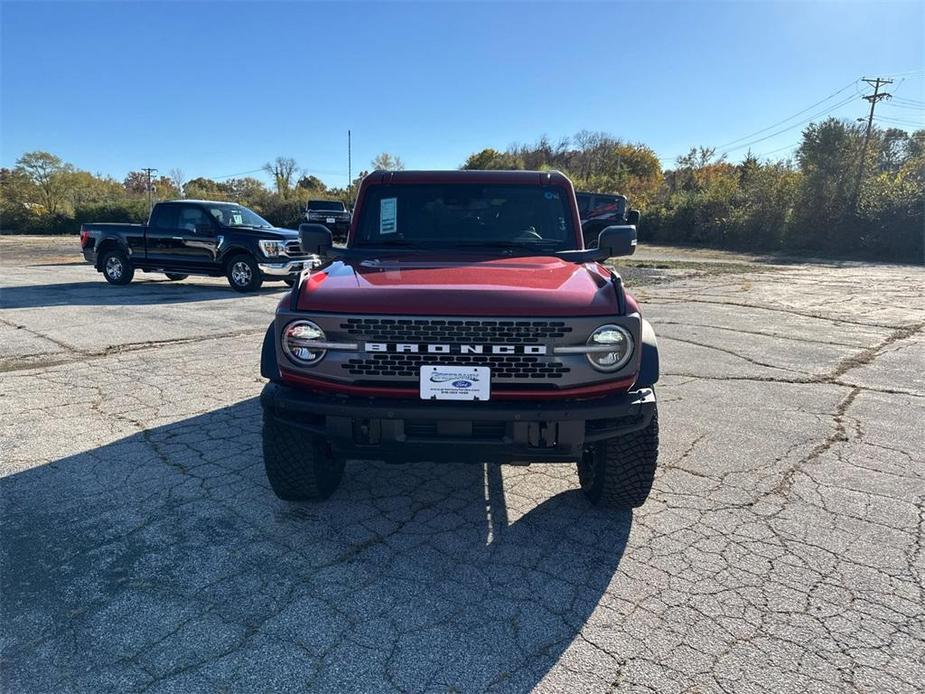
x,y
611,347
297,341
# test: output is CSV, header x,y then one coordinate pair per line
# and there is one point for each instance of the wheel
x,y
175,276
243,274
116,267
300,466
618,473
289,281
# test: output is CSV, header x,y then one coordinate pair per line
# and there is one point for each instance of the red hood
x,y
519,286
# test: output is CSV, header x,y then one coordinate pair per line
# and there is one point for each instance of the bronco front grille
x,y
510,332
508,366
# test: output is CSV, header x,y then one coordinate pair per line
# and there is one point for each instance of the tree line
x,y
44,195
834,196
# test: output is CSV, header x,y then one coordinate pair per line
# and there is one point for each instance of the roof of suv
x,y
200,202
471,176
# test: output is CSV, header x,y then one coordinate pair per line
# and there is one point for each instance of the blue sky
x,y
220,88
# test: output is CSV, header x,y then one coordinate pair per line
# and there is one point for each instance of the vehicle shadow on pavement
x,y
135,294
162,561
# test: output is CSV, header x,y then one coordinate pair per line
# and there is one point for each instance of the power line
x,y
827,110
726,148
906,107
779,149
240,173
901,121
818,114
798,113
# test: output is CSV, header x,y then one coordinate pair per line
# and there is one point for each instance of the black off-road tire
x,y
243,273
618,473
300,466
175,276
116,267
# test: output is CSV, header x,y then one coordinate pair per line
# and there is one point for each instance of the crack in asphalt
x,y
782,546
21,363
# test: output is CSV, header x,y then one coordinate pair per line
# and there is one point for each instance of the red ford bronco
x,y
463,321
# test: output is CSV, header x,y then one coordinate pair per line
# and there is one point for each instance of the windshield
x,y
326,205
459,215
236,215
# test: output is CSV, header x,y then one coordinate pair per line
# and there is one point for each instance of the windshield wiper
x,y
511,245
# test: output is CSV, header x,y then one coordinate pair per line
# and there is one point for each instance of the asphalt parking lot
x,y
781,549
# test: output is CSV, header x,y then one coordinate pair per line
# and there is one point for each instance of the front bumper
x,y
501,431
322,219
290,267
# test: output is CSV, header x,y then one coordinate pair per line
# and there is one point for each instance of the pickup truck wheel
x,y
299,465
116,267
243,274
618,473
175,277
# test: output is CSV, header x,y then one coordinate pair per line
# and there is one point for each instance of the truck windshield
x,y
326,205
466,215
232,215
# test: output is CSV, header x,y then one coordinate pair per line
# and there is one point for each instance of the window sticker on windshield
x,y
237,219
388,215
551,195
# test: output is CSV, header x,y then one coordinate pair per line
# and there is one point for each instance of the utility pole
x,y
149,173
349,161
876,83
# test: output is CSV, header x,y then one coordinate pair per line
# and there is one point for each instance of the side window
x,y
191,216
165,217
584,203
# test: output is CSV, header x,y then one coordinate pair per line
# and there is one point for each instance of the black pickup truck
x,y
197,237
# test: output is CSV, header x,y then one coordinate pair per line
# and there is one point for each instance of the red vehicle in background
x,y
600,210
464,321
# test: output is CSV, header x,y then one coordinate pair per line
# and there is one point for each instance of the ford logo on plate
x,y
461,384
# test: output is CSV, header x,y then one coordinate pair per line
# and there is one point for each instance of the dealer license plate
x,y
330,220
455,382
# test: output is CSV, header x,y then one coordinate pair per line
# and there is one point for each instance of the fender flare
x,y
269,367
226,254
648,367
105,242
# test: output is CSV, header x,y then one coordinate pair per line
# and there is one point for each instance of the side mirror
x,y
590,230
632,217
315,238
617,241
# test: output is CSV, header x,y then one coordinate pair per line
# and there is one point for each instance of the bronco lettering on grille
x,y
417,348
